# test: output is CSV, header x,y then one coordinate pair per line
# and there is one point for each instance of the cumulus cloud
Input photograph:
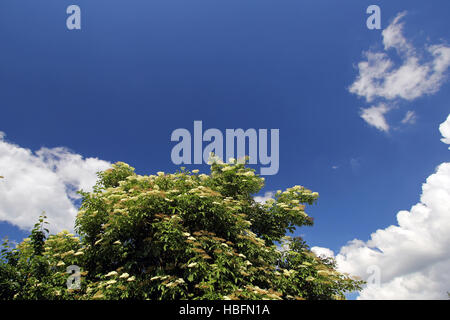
x,y
268,195
45,180
445,131
420,72
412,256
323,252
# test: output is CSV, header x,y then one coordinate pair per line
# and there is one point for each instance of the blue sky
x,y
137,70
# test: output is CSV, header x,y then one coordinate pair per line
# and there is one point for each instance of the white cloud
x,y
268,195
410,117
417,75
445,131
323,252
45,180
413,256
374,116
393,36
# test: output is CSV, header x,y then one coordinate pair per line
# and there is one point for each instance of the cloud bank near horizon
x,y
45,180
413,255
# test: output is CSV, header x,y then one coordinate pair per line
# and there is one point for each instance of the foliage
x,y
176,236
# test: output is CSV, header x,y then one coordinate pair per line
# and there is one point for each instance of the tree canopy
x,y
176,236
